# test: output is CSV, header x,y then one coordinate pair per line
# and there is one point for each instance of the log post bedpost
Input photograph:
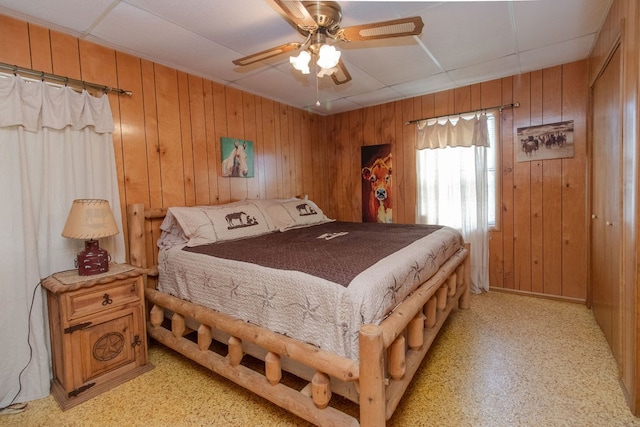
x,y
137,241
372,386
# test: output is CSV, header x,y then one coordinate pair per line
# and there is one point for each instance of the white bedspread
x,y
299,305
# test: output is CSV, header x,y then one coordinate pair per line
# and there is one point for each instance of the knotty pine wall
x,y
167,136
541,243
167,149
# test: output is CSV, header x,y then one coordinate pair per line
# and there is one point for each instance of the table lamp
x,y
91,219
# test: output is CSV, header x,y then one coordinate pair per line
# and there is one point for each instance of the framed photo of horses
x,y
237,157
376,183
543,142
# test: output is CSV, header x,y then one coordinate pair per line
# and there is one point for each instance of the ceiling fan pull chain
x,y
317,84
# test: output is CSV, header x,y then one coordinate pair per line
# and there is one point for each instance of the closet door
x,y
605,203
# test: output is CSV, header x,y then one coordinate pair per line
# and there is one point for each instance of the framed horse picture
x,y
543,142
237,157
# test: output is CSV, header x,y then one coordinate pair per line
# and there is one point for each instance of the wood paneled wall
x,y
168,153
541,244
167,136
622,27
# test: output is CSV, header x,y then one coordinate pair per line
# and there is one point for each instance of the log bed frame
x,y
390,353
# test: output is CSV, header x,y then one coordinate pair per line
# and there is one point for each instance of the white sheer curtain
x,y
55,146
452,184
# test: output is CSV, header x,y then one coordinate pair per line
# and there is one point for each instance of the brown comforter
x,y
335,251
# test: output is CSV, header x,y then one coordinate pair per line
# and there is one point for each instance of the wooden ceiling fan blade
x,y
411,26
266,54
294,12
341,75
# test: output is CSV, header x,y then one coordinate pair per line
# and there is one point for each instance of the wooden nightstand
x,y
98,331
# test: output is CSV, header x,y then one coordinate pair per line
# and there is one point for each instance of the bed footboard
x,y
277,346
390,353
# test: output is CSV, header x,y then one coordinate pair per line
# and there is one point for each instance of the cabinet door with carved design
x,y
107,346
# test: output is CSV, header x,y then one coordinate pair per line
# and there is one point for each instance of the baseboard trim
x,y
539,295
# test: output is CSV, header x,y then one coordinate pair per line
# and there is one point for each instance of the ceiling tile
x,y
363,12
467,33
391,61
246,26
536,27
136,31
271,84
556,54
490,70
375,97
72,16
426,85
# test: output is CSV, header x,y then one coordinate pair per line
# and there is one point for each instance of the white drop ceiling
x,y
463,42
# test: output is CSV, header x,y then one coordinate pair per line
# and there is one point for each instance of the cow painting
x,y
377,189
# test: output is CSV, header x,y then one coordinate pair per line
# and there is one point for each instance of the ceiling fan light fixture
x,y
301,62
329,56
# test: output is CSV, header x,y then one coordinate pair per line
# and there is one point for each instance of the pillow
x,y
260,203
172,233
238,220
209,224
195,224
295,213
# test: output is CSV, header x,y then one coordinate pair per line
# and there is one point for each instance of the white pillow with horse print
x,y
238,220
256,202
210,224
296,213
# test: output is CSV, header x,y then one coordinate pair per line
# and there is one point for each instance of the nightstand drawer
x,y
92,301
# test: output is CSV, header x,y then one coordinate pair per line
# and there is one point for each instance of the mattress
x,y
318,284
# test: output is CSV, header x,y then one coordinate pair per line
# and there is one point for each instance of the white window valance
x,y
49,106
457,133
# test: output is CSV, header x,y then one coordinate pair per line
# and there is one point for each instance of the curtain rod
x,y
498,107
62,79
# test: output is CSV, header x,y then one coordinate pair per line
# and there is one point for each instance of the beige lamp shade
x,y
90,219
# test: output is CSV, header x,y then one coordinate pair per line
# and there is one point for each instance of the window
x,y
444,172
457,185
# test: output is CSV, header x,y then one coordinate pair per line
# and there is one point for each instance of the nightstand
x,y
98,331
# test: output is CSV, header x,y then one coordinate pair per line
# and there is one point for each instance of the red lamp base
x,y
93,259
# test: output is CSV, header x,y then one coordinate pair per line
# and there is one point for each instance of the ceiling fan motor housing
x,y
327,14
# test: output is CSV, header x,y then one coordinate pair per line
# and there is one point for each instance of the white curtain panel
x,y
55,146
452,185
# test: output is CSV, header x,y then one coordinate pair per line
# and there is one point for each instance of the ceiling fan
x,y
319,21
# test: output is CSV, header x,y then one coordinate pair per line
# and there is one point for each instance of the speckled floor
x,y
509,361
